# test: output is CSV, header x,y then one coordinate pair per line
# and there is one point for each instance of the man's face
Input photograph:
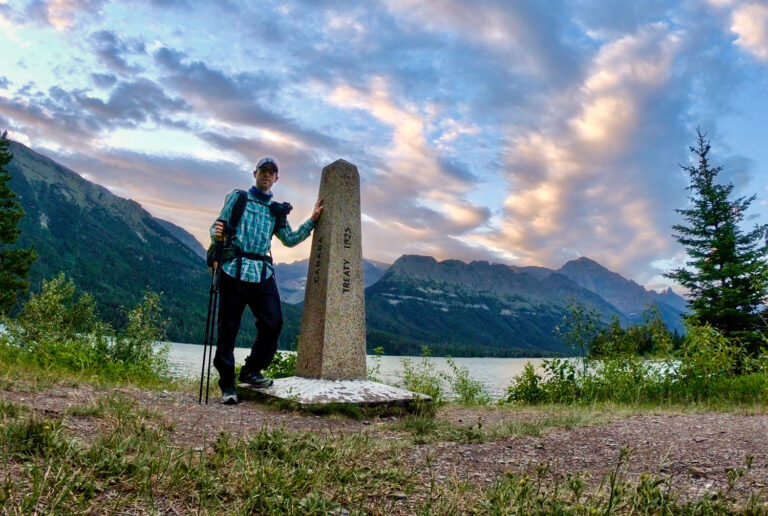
x,y
265,176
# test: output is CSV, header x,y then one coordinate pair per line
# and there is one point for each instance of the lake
x,y
495,374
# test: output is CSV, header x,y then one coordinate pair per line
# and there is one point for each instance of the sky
x,y
517,132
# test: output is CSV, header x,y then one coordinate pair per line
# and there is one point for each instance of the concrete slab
x,y
312,392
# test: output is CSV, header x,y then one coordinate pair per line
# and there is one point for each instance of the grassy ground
x,y
116,454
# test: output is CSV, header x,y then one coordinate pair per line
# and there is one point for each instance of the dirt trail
x,y
694,450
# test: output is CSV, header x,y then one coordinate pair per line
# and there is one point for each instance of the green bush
x,y
422,377
526,387
282,366
59,330
136,344
468,390
708,368
707,356
374,370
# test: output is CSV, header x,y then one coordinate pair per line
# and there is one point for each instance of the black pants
x,y
264,301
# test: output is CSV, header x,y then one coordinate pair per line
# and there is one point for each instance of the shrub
x,y
136,344
56,313
709,368
706,356
422,377
282,366
375,369
526,387
468,390
57,329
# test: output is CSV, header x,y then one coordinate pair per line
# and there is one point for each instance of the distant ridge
x,y
626,295
184,237
292,278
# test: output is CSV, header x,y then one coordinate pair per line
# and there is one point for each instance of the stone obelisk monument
x,y
332,337
330,367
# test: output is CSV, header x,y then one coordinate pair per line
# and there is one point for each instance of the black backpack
x,y
228,251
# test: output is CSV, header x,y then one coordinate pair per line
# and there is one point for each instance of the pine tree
x,y
727,274
14,263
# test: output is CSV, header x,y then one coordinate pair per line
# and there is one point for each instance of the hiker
x,y
248,275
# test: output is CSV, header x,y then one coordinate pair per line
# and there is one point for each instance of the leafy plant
x,y
422,377
58,329
467,390
375,369
579,328
138,343
283,365
526,387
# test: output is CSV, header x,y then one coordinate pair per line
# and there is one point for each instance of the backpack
x,y
228,250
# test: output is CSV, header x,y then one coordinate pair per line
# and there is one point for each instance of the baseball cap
x,y
267,161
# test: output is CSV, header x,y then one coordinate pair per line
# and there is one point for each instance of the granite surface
x,y
308,391
332,335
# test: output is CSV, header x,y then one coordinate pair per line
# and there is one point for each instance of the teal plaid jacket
x,y
254,235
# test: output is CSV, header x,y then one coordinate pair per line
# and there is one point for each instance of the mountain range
x,y
116,250
480,308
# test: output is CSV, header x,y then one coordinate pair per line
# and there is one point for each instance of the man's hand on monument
x,y
318,210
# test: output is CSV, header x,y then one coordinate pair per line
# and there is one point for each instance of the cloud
x,y
235,99
409,196
609,21
526,33
750,23
76,119
111,51
130,104
576,188
37,121
61,14
103,80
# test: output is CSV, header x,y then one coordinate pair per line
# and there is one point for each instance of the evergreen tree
x,y
14,263
726,275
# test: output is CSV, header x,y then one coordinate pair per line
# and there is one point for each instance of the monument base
x,y
307,392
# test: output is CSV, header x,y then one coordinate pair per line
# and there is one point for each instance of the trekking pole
x,y
217,273
210,323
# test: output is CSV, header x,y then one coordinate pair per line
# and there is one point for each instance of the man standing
x,y
248,277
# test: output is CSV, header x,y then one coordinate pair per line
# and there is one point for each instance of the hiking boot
x,y
229,397
257,380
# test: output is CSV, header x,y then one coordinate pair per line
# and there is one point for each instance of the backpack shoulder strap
x,y
238,208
